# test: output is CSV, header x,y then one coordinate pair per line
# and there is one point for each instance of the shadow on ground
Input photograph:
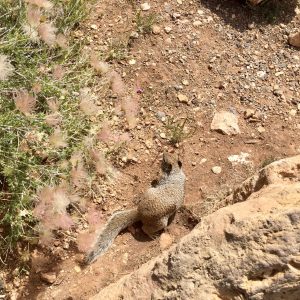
x,y
238,14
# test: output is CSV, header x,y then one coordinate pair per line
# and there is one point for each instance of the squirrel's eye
x,y
179,163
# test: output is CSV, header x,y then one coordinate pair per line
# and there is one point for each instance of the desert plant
x,y
34,101
118,50
177,130
144,23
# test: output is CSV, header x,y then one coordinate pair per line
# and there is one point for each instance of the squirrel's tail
x,y
117,222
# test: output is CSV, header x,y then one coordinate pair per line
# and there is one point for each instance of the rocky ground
x,y
188,61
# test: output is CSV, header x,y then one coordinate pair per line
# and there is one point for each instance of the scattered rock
x,y
176,16
77,269
203,160
49,277
163,135
249,113
148,144
208,19
261,129
66,245
242,158
145,6
17,282
216,170
252,141
156,29
161,116
134,35
261,74
125,258
256,117
225,122
294,39
197,23
183,98
132,62
168,29
251,25
165,241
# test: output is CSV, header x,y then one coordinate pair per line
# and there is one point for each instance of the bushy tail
x,y
118,221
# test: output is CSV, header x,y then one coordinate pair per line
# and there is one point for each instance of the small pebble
x,y
182,98
145,6
48,277
216,170
156,29
77,269
197,23
261,129
165,241
132,62
168,29
203,160
163,135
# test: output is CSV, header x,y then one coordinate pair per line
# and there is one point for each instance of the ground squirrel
x,y
154,208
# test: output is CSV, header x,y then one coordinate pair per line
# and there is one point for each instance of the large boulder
x,y
248,250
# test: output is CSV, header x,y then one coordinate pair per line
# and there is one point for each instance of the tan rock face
x,y
248,250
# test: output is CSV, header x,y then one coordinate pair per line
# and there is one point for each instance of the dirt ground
x,y
222,55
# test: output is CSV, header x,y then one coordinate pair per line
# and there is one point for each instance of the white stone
x,y
241,158
197,23
145,6
132,62
216,170
168,29
163,135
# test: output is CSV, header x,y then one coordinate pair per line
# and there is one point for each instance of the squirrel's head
x,y
171,163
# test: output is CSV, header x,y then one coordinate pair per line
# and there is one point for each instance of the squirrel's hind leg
x,y
152,229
